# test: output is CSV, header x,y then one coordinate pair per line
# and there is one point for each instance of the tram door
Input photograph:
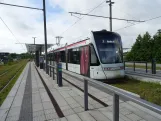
x,y
84,61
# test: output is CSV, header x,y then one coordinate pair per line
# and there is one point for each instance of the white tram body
x,y
99,57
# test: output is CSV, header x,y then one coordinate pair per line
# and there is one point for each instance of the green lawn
x,y
5,78
148,91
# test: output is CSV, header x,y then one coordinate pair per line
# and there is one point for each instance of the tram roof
x,y
37,47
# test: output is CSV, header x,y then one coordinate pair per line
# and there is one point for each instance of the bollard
x,y
134,65
146,67
115,107
60,75
153,66
85,95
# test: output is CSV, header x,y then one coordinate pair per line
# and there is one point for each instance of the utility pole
x,y
45,32
45,35
110,5
34,39
58,38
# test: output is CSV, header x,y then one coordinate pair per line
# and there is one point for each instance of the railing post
x,y
134,65
115,107
53,72
85,95
60,75
146,67
50,70
44,66
57,76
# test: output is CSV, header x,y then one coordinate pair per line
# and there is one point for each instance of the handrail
x,y
134,66
117,93
137,61
105,88
52,66
111,89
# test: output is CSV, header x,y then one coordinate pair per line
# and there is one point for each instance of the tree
x,y
146,47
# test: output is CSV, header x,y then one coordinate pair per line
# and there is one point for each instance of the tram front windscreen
x,y
109,47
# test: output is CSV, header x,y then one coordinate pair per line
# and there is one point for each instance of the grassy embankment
x,y
147,90
5,78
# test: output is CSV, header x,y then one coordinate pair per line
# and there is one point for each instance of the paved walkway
x,y
30,101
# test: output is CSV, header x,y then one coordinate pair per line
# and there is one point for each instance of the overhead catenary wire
x,y
11,32
82,17
106,17
139,23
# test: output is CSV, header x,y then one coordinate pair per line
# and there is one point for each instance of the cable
x,y
82,18
139,23
11,32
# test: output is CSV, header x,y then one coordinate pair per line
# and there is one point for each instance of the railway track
x,y
5,72
9,81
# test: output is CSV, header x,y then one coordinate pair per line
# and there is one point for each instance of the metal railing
x,y
134,65
116,92
51,72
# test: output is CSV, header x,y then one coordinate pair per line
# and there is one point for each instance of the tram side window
x,y
62,56
94,59
76,56
70,56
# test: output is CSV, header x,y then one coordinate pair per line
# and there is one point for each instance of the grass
x,y
147,90
7,66
139,66
5,92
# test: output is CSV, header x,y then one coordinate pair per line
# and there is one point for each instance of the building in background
x,y
4,57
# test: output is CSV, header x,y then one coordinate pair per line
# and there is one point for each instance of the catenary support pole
x,y
110,15
45,34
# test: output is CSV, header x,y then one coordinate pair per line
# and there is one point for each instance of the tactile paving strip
x,y
26,108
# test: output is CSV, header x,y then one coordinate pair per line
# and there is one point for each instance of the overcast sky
x,y
25,23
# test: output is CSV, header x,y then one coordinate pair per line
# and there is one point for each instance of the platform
x,y
36,97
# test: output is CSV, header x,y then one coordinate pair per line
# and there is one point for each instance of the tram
x,y
99,57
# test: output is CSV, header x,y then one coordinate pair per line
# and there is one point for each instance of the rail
x,y
117,94
153,67
9,81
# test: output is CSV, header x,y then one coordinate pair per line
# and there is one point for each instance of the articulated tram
x,y
99,57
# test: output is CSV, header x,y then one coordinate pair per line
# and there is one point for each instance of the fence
x,y
153,65
116,92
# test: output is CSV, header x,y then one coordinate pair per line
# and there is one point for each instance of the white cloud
x,y
27,23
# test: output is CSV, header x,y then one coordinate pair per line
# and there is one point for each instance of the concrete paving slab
x,y
7,103
38,113
47,105
67,112
85,116
3,114
51,116
14,111
78,109
98,116
37,107
74,105
73,117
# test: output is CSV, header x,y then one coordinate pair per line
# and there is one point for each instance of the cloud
x,y
28,23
